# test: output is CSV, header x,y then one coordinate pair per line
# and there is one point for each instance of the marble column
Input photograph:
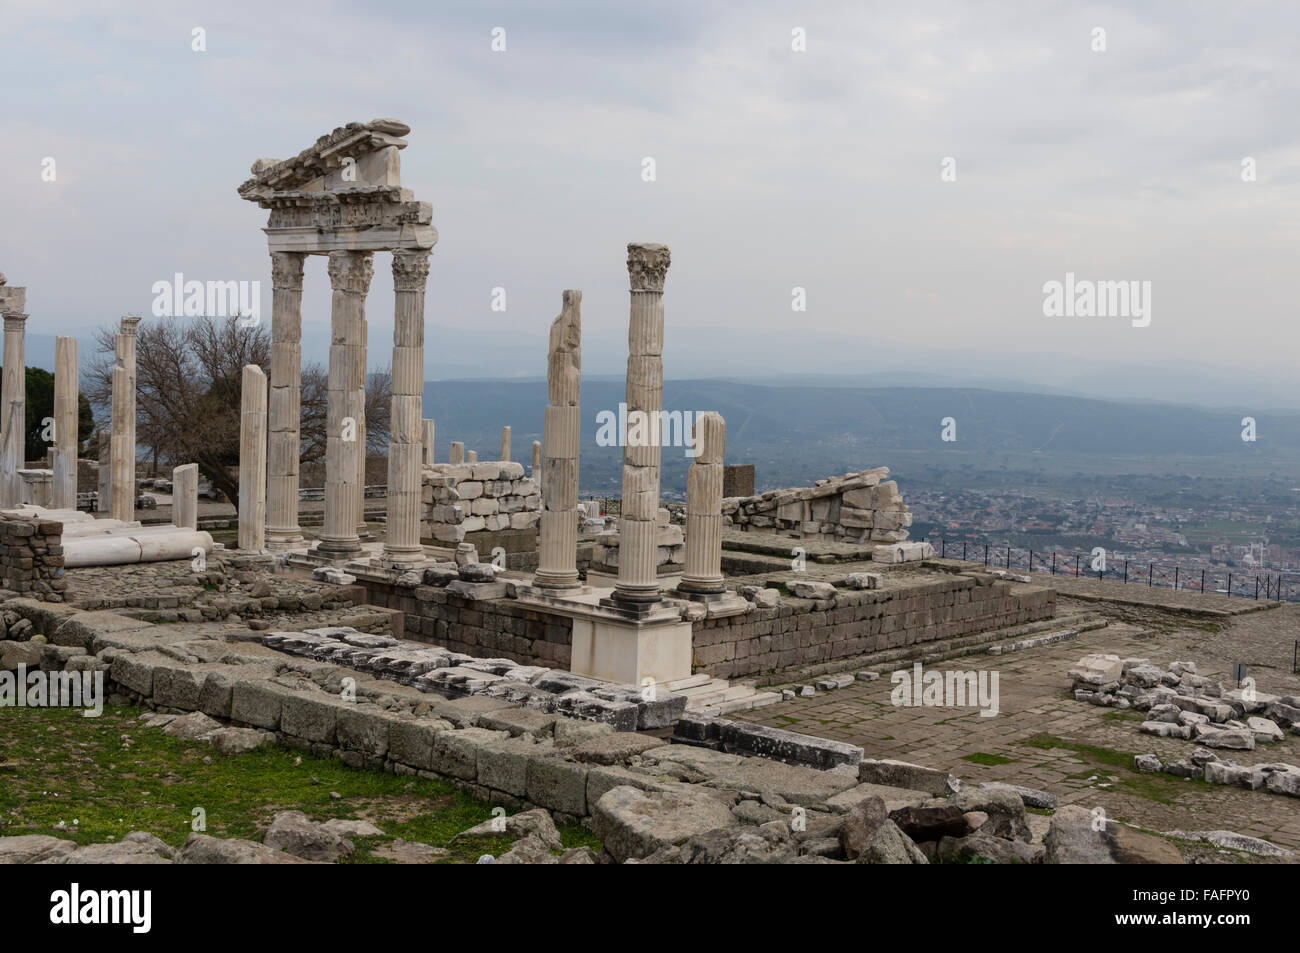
x,y
66,390
561,434
122,496
104,444
457,452
536,472
505,444
185,496
703,572
284,409
122,466
471,456
426,441
638,582
252,460
14,393
405,464
350,274
362,531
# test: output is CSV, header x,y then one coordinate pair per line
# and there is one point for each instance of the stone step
x,y
757,700
691,681
705,688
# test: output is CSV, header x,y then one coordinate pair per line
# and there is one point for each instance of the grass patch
x,y
111,775
1161,788
983,757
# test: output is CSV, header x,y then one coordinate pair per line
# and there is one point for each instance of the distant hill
x,y
795,434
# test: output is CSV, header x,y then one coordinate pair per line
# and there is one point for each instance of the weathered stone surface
x,y
891,846
558,785
860,826
901,774
203,849
1005,810
235,741
348,828
137,847
633,823
535,823
982,846
807,589
193,726
614,748
1072,840
34,849
1031,797
1097,670
930,823
293,832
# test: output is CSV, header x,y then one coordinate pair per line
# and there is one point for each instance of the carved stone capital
x,y
15,322
646,266
129,323
351,271
286,271
410,269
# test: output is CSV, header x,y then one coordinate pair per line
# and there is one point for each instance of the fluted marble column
x,y
405,464
13,456
561,434
426,440
703,572
252,460
350,274
65,422
284,409
123,441
104,450
185,496
638,582
362,531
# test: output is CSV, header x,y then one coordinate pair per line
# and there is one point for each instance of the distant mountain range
x,y
800,433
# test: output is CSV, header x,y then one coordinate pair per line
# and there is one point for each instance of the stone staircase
x,y
706,695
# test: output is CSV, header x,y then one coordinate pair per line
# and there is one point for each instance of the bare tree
x,y
188,384
189,379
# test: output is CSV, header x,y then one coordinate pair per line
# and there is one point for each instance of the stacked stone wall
x,y
31,557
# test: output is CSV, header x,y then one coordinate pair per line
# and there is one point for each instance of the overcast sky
x,y
776,168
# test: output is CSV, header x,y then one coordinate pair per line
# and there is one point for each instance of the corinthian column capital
x,y
351,271
410,269
647,265
286,270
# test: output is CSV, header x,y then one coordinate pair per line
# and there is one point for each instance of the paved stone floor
x,y
1043,738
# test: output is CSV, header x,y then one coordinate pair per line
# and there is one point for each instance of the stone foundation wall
x,y
465,502
486,628
809,631
31,557
857,507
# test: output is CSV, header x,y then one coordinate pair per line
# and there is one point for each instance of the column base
x,y
279,540
557,581
337,550
631,653
633,606
401,559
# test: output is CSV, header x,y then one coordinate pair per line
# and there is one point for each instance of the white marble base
x,y
630,653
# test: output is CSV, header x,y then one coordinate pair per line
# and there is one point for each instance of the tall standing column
x,y
703,572
405,465
561,432
252,460
104,449
361,426
638,582
536,472
14,392
124,442
457,452
65,423
350,274
505,444
121,496
284,413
